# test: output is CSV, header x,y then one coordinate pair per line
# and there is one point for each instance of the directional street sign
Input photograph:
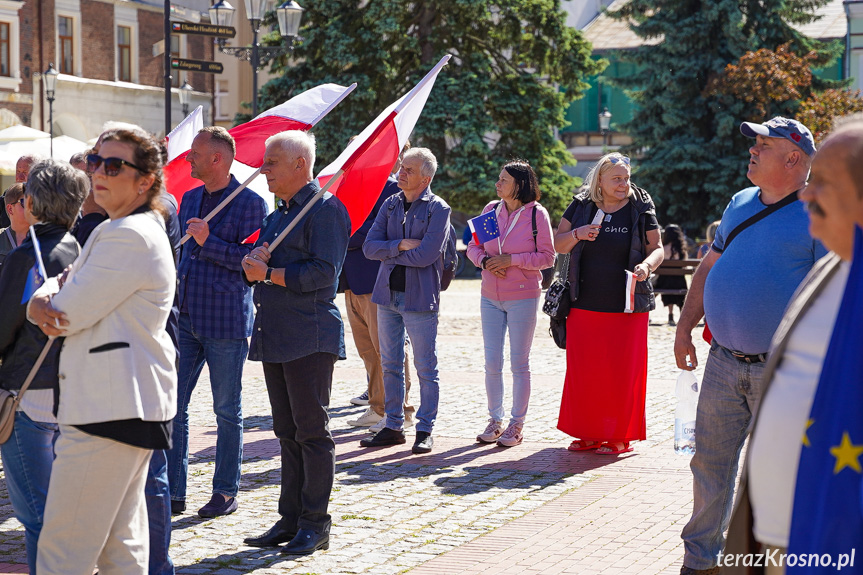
x,y
196,65
203,29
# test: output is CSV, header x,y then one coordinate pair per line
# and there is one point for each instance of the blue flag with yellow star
x,y
484,228
828,501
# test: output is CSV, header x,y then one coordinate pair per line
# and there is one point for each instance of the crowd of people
x,y
129,313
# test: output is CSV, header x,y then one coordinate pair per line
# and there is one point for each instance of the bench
x,y
675,268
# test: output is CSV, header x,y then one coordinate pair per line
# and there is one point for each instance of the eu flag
x,y
828,501
34,281
484,228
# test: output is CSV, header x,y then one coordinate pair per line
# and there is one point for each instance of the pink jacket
x,y
523,278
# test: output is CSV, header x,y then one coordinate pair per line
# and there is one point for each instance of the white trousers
x,y
96,514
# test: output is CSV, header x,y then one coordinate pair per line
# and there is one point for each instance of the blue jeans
x,y
730,393
520,316
225,358
421,327
158,496
28,456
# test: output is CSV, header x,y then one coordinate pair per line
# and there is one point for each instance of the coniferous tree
x,y
692,157
515,68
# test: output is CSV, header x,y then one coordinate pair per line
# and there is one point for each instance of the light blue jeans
x,y
225,358
520,317
730,393
28,456
421,327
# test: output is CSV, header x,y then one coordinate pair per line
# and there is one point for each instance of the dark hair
x,y
526,185
57,191
672,234
148,157
220,137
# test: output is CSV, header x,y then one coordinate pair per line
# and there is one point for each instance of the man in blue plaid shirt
x,y
215,314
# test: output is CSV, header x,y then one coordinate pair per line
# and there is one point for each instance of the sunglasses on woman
x,y
112,165
615,160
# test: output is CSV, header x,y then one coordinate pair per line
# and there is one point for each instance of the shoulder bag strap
x,y
789,199
533,225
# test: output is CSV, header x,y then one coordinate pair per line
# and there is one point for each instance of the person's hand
x,y
683,348
501,262
587,232
501,273
641,271
408,244
46,317
61,279
198,229
261,253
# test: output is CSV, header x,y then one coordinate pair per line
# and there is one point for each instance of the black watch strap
x,y
268,279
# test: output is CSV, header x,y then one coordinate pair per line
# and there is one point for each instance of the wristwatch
x,y
267,279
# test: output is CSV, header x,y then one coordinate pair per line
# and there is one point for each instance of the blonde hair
x,y
605,163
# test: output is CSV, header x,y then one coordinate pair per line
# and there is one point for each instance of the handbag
x,y
9,401
557,298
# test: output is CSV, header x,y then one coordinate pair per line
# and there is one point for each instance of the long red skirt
x,y
606,376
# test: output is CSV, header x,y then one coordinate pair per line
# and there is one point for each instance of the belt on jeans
x,y
753,358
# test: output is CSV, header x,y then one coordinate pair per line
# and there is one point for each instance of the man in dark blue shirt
x,y
298,335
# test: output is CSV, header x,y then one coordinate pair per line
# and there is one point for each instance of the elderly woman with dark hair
x,y
118,381
511,286
51,200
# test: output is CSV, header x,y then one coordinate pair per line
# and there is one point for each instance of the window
x,y
124,53
221,100
65,40
175,46
5,65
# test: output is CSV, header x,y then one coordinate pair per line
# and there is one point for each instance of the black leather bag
x,y
557,304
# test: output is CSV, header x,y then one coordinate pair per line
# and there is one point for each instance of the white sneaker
x,y
409,422
367,419
493,430
512,436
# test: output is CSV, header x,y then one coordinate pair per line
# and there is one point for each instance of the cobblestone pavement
x,y
465,508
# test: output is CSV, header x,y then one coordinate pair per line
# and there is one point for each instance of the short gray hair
x,y
57,191
296,143
429,165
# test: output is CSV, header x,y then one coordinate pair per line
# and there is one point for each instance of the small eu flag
x,y
36,274
484,228
827,516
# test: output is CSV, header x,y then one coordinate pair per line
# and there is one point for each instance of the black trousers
x,y
299,393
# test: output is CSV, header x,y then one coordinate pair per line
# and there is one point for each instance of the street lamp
x,y
288,14
49,76
185,94
604,124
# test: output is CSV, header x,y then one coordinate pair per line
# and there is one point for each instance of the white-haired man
x,y
298,335
408,236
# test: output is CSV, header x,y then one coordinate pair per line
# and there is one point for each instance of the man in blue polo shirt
x,y
741,289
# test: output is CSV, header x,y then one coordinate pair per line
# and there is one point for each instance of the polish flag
x,y
301,112
361,170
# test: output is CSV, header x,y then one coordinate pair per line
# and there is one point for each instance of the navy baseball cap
x,y
780,127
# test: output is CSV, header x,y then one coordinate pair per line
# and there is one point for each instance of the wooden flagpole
x,y
225,202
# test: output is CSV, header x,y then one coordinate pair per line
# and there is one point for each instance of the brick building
x,y
110,57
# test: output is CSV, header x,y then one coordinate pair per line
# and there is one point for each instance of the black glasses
x,y
615,160
112,165
21,201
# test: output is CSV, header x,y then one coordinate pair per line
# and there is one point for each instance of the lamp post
x,y
604,124
288,14
49,76
185,93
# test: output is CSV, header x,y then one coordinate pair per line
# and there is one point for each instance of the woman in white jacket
x,y
117,375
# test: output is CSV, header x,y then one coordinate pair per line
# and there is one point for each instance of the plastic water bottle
x,y
684,417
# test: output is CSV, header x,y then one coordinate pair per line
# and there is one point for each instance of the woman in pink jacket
x,y
511,290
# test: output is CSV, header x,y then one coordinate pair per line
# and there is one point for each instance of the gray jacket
x,y
426,220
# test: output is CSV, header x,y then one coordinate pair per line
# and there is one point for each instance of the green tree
x,y
515,69
692,155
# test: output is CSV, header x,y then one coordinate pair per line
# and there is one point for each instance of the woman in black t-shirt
x,y
609,229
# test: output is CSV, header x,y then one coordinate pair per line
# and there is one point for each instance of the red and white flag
x,y
369,158
180,138
301,112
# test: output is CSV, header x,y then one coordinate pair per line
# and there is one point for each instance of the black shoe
x,y
307,542
272,538
218,506
385,436
423,443
177,506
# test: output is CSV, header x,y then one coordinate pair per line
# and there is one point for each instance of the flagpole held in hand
x,y
225,202
305,210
